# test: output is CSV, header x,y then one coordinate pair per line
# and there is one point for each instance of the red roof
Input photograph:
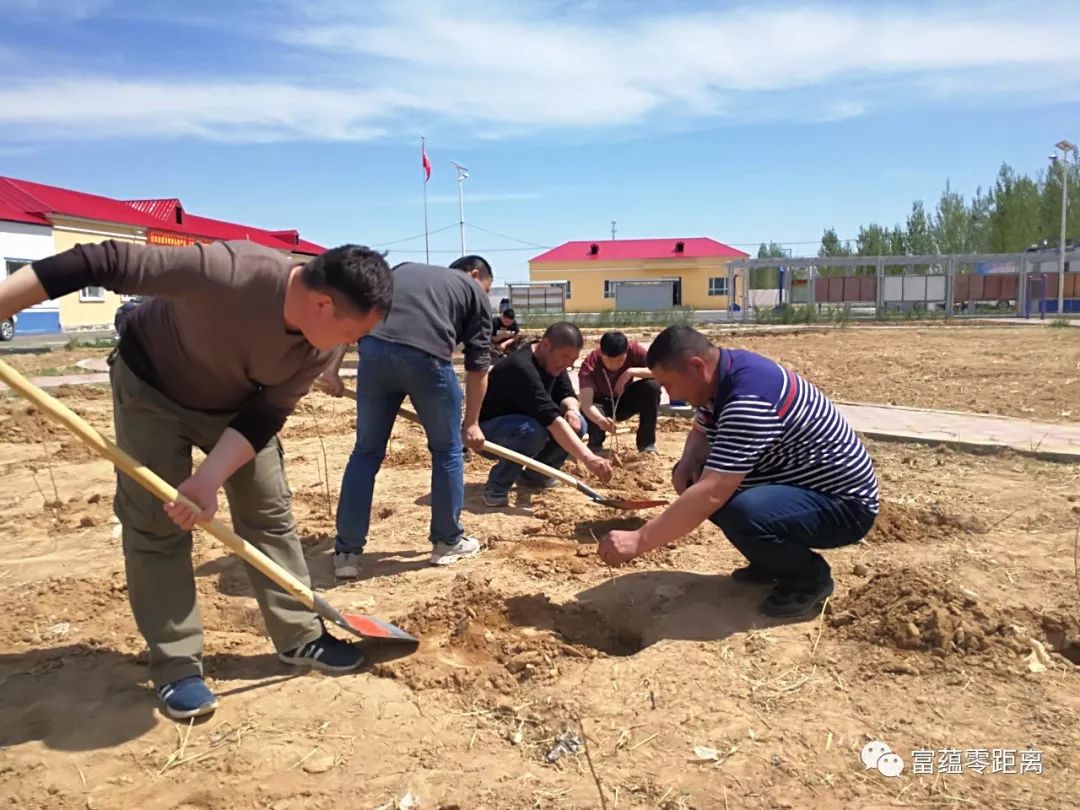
x,y
24,201
44,201
169,210
614,250
18,206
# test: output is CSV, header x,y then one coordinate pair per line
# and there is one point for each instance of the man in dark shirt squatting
x,y
531,407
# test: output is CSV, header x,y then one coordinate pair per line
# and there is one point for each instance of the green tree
x,y
1015,220
873,240
1050,203
767,278
898,241
919,237
832,246
982,206
951,227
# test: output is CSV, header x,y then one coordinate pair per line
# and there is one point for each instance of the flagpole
x,y
423,174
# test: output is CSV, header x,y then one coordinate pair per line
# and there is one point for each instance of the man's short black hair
x,y
614,344
473,262
508,313
675,345
562,334
354,275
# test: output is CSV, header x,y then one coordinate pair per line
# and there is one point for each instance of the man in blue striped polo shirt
x,y
769,460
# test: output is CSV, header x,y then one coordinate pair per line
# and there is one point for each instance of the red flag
x,y
426,164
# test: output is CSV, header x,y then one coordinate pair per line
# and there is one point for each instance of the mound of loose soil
x,y
911,610
899,523
82,392
473,635
21,423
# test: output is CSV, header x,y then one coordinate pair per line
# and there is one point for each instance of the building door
x,y
644,295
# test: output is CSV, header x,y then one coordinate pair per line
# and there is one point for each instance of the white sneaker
x,y
346,564
448,554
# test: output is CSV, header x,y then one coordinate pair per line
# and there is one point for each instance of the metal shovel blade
x,y
362,626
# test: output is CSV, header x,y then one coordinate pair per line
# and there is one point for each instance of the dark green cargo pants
x,y
157,554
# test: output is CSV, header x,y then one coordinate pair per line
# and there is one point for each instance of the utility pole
x,y
1065,147
462,173
613,230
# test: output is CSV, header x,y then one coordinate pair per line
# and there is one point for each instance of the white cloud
x,y
55,9
231,112
492,71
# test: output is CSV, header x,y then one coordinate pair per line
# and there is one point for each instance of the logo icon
x,y
876,755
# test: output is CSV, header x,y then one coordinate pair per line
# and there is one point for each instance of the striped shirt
x,y
767,422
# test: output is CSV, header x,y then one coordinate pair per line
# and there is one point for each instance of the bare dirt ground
x,y
933,640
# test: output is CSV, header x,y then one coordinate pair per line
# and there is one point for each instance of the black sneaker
x,y
786,602
325,653
537,483
749,575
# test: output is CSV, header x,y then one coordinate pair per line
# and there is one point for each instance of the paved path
x,y
1058,441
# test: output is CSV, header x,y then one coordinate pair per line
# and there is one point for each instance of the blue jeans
x,y
775,527
386,374
527,436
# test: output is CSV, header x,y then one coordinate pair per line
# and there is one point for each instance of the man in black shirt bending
x,y
505,332
531,407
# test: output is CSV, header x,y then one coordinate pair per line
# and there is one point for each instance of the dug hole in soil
x,y
474,636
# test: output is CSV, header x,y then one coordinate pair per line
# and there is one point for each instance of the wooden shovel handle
x,y
510,455
149,480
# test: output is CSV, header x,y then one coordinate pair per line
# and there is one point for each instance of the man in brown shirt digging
x,y
232,338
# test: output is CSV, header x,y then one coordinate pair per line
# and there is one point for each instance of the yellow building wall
x,y
75,312
587,283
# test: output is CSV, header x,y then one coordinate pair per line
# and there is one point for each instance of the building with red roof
x,y
37,220
646,274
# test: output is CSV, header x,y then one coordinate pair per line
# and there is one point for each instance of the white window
x,y
566,284
609,289
11,265
92,294
718,285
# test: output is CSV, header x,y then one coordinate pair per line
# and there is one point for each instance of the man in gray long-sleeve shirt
x,y
435,309
234,336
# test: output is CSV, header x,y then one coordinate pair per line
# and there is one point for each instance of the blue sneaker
x,y
187,697
325,653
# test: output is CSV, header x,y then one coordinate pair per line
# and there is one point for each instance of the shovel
x,y
362,626
544,469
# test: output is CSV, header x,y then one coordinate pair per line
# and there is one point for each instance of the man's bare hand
x,y
600,467
472,437
332,384
685,475
202,493
618,547
573,418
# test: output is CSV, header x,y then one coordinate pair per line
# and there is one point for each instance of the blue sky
x,y
740,121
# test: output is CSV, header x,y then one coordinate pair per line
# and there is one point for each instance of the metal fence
x,y
538,296
955,285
